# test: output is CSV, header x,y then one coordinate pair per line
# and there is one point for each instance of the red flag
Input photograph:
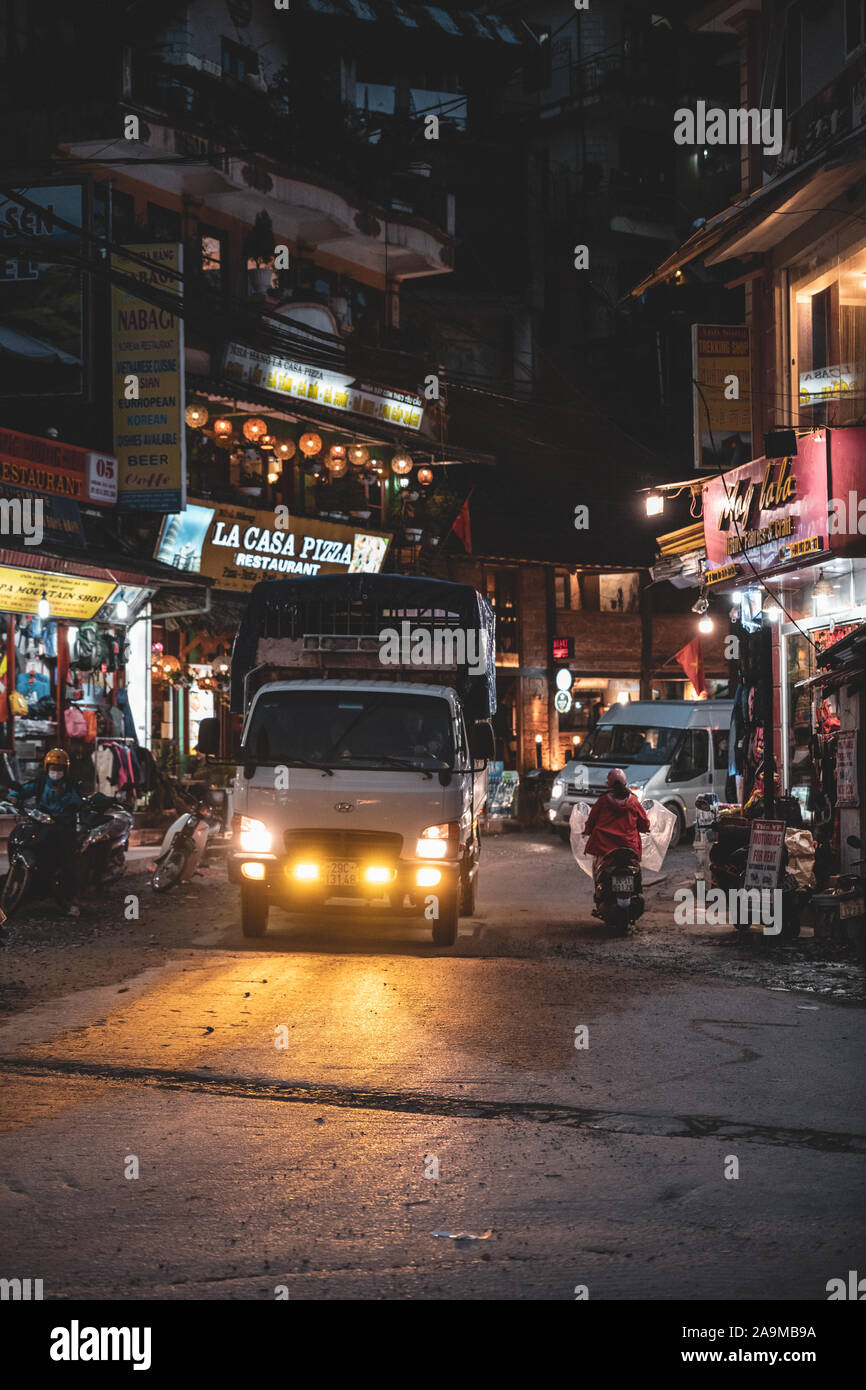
x,y
461,526
691,658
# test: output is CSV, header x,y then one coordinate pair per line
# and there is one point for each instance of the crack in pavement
x,y
452,1107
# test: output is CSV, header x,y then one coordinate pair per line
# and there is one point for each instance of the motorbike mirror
x,y
855,842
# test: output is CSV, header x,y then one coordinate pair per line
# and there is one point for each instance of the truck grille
x,y
344,844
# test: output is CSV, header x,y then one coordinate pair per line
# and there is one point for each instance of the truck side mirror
x,y
481,742
209,738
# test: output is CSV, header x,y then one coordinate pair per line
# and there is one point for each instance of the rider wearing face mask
x,y
58,797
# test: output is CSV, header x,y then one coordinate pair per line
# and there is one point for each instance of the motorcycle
x,y
838,913
102,828
186,840
618,889
728,860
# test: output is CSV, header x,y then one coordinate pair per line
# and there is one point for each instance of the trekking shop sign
x,y
331,389
70,595
768,509
147,345
62,470
236,546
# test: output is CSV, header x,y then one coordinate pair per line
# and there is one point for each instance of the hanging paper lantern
x,y
359,455
311,444
378,467
195,416
222,429
337,467
401,464
425,475
285,450
267,441
336,454
254,429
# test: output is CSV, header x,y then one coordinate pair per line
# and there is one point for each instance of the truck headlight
x,y
434,842
556,791
255,838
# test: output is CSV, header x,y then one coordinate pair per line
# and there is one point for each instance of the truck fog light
x,y
428,878
306,873
376,873
253,870
551,815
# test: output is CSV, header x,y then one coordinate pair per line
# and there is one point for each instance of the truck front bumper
x,y
297,884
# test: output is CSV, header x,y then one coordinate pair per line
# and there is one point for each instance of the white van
x,y
670,751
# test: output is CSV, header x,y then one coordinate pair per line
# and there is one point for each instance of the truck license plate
x,y
852,908
622,885
342,873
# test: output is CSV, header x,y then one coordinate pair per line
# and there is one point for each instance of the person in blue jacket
x,y
59,798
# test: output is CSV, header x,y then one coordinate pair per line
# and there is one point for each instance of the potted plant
x,y
259,248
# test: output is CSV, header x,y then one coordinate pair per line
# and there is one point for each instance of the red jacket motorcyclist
x,y
617,819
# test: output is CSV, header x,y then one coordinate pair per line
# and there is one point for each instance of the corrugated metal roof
x,y
432,19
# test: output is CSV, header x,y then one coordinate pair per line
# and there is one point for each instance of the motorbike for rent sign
x,y
766,844
147,367
769,509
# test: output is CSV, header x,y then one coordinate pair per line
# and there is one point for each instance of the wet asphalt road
x,y
288,1103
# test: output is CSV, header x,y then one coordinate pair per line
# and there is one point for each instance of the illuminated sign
x,y
563,648
147,346
63,470
767,507
68,595
827,384
316,386
237,546
562,701
720,575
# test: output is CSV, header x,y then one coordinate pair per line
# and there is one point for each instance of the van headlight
x,y
556,791
435,841
636,786
255,838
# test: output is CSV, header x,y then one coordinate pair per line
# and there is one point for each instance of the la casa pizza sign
x,y
259,540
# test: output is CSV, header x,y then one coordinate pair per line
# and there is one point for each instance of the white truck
x,y
363,754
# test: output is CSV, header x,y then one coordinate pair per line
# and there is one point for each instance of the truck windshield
x,y
358,728
630,743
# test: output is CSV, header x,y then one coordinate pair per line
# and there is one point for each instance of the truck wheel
x,y
564,833
254,912
467,896
445,926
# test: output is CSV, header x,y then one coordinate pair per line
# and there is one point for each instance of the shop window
x,y
692,758
502,593
210,249
567,589
829,318
162,223
618,593
238,62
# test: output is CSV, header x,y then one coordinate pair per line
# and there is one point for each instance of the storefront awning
x,y
765,217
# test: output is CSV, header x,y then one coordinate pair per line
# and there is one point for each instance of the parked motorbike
x,y
838,911
186,840
102,828
729,853
618,889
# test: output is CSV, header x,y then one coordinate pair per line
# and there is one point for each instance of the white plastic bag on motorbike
x,y
654,844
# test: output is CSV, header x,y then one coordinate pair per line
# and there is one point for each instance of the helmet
x,y
57,757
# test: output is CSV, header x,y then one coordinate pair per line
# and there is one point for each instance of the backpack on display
x,y
90,648
76,725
